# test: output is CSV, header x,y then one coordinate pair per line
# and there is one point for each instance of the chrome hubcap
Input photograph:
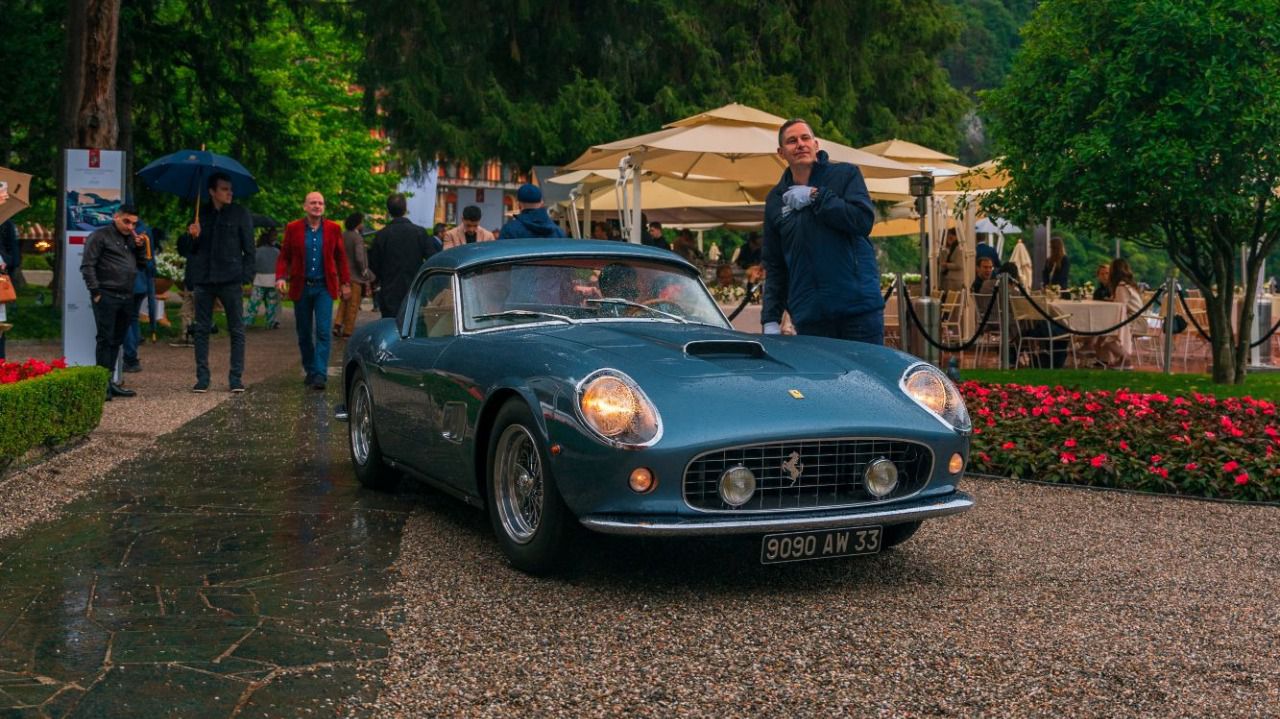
x,y
518,483
361,424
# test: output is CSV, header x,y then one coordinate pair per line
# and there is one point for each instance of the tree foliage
x,y
538,81
1158,121
269,82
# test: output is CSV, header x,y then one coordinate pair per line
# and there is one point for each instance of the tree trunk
x,y
1221,339
96,124
88,96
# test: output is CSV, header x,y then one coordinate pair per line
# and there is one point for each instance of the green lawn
x,y
1260,385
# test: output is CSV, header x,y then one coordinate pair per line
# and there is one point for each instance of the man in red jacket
x,y
312,268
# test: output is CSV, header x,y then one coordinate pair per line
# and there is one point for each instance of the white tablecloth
x,y
1092,316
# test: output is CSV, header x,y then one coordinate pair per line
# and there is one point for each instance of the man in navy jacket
x,y
820,264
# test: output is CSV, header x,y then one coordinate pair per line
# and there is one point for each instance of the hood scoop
x,y
725,349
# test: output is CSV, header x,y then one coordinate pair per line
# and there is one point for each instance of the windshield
x,y
584,290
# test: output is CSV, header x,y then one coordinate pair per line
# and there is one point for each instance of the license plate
x,y
819,544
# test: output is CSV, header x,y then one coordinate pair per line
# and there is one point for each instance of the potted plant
x,y
170,267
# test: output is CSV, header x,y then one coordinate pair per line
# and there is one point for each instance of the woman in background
x,y
1123,289
1057,268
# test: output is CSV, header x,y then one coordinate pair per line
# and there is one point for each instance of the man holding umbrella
x,y
220,253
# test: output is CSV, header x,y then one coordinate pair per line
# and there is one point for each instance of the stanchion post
x,y
1170,310
904,326
1004,321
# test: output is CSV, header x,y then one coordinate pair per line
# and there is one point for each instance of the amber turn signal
x,y
642,480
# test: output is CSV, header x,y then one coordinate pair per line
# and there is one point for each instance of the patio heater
x,y
927,309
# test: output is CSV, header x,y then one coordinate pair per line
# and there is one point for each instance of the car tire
x,y
366,455
530,519
896,534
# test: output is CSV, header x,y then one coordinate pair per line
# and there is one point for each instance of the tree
x,y
538,81
1157,121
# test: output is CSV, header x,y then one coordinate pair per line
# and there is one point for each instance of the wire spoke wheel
x,y
361,424
519,484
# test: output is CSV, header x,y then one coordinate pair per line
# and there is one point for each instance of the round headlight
x,y
929,390
881,477
928,387
612,405
737,485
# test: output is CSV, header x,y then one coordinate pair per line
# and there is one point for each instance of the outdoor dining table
x,y
1094,315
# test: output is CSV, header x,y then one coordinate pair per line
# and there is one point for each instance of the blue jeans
x,y
133,338
867,327
313,313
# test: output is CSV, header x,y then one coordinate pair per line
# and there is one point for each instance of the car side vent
x,y
724,348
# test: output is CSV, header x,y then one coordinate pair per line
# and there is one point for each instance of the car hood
x,y
768,383
697,351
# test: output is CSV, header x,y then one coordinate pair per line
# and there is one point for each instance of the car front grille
x,y
827,473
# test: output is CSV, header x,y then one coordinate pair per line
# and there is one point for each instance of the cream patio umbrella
x,y
667,199
734,142
670,199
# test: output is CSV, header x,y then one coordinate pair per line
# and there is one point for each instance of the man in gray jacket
x,y
220,253
112,256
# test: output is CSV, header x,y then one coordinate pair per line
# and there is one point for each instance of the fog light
x,y
881,477
956,464
737,485
642,480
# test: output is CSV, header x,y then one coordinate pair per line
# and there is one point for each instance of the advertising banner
x,y
94,191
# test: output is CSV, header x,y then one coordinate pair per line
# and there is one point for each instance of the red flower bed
x,y
1202,446
11,372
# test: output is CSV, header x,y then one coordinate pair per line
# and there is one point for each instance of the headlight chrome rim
x,y
880,478
726,480
954,414
643,409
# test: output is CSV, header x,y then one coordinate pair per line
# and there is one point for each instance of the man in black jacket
x,y
399,249
220,253
112,256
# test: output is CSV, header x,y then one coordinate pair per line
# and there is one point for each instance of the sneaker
x,y
309,380
318,384
201,387
135,367
237,387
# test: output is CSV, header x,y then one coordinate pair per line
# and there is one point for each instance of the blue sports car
x,y
570,384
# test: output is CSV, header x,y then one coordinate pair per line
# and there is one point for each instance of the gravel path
x,y
1042,601
131,425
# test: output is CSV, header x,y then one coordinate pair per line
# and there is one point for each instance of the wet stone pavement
x,y
237,571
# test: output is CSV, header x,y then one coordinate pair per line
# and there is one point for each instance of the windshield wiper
x,y
629,303
508,314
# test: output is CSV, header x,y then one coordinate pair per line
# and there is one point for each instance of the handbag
x,y
7,293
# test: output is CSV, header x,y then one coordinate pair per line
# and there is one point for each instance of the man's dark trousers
x,y
231,296
111,315
867,327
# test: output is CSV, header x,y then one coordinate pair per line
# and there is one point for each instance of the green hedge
x,y
49,410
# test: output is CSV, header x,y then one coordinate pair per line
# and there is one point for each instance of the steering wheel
x,y
665,305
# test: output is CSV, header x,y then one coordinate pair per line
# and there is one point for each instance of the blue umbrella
x,y
186,174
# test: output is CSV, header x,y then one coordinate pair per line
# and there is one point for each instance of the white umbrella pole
x,y
586,213
635,209
573,212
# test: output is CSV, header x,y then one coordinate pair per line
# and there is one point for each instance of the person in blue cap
x,y
533,220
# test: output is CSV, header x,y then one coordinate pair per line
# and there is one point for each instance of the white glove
x,y
798,197
772,328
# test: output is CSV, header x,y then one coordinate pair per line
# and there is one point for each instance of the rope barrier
x,y
1182,297
746,299
889,290
1141,314
911,312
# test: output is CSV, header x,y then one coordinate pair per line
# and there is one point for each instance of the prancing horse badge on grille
x,y
793,468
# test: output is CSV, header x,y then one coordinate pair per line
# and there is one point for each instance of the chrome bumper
x,y
759,524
